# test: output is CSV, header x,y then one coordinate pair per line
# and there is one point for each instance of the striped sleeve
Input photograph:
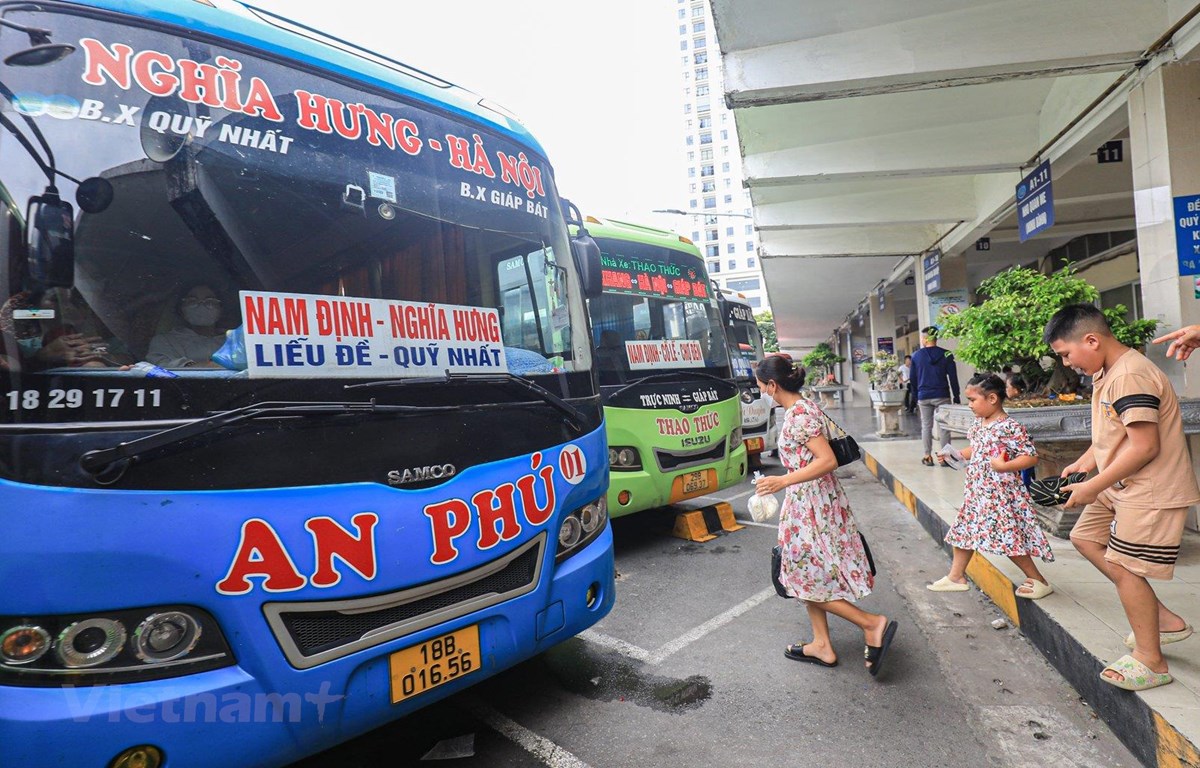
x,y
1135,398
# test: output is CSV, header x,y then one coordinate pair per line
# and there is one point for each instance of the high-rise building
x,y
718,203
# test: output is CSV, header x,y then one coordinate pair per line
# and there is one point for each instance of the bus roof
x,y
255,28
638,233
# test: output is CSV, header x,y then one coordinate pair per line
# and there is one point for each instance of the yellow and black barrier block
x,y
705,523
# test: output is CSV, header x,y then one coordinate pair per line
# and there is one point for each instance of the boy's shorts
x,y
1143,541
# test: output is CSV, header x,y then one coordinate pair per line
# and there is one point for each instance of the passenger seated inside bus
x,y
197,334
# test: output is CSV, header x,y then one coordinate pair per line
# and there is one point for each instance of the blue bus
x,y
299,424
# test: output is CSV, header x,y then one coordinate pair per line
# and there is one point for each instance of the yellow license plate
x,y
434,662
754,444
691,483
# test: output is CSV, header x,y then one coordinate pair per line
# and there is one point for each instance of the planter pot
x,y
827,392
887,397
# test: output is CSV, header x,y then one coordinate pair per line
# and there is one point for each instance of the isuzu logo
x,y
420,474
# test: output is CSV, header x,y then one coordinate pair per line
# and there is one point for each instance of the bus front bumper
x,y
277,715
630,492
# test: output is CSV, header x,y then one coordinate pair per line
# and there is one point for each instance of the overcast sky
x,y
597,83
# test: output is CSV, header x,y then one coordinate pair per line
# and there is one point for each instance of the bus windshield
x,y
656,314
334,232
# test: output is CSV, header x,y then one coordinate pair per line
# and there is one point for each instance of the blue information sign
x,y
1035,202
933,273
1187,234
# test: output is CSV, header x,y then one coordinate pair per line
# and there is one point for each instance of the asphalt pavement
x,y
688,669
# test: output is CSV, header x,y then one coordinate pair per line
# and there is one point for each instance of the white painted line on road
x,y
711,625
772,526
614,644
539,746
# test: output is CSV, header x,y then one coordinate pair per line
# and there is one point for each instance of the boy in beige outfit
x,y
1135,508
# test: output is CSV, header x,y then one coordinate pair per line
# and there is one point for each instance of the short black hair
x,y
1074,320
989,384
930,330
1017,380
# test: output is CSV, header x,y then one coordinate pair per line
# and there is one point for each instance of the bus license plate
x,y
692,483
434,662
754,444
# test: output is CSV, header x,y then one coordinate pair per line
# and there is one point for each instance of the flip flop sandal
x,y
1138,677
1033,589
1166,638
796,653
944,584
927,461
876,654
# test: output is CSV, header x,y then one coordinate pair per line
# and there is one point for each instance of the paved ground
x,y
688,670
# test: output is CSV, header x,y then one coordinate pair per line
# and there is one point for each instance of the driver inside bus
x,y
192,343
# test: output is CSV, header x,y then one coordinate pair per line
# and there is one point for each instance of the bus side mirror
x,y
51,240
585,251
587,260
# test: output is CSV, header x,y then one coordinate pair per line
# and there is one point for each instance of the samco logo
x,y
418,474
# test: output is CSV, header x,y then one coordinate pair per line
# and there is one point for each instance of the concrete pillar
x,y
1164,150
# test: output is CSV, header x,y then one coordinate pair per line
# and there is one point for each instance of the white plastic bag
x,y
762,508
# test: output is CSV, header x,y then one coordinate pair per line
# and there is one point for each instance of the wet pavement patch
x,y
607,676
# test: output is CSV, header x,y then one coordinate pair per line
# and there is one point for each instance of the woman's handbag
x,y
777,565
845,448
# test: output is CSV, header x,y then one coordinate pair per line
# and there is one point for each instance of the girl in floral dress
x,y
824,562
997,515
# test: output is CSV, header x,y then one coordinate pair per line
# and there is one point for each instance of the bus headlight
x,y
97,649
90,642
166,636
580,527
624,458
24,644
735,438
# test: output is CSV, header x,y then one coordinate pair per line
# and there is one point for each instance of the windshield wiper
x,y
108,465
672,374
577,417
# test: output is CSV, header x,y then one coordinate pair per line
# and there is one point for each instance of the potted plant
x,y
1006,328
821,361
883,371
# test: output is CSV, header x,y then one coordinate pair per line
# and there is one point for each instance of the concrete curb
x,y
1153,740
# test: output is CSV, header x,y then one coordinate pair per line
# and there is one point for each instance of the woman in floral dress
x,y
997,514
824,562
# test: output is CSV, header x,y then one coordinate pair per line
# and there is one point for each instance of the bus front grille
x,y
315,632
669,461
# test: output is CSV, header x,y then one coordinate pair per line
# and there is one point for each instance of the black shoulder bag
x,y
845,448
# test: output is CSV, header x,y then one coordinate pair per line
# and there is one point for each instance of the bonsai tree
x,y
822,359
883,371
1006,328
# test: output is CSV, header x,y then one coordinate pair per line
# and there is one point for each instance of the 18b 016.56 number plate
x,y
435,662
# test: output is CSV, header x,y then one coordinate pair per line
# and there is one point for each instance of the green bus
x,y
671,406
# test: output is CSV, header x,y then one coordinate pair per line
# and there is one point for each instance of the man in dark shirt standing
x,y
935,382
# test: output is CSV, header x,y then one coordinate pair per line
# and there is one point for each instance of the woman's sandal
x,y
927,461
796,653
876,654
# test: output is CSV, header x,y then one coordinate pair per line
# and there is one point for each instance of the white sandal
x,y
944,584
1032,589
1166,638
